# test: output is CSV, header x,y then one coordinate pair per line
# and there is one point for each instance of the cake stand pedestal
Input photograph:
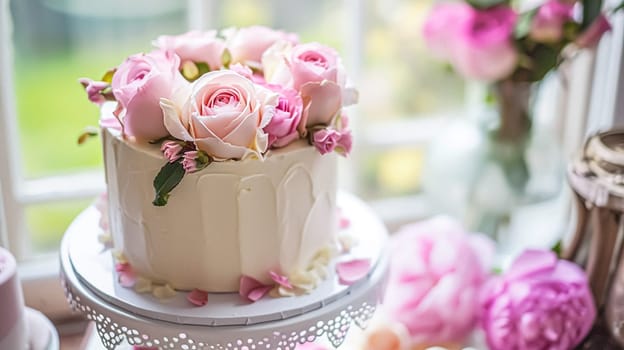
x,y
226,322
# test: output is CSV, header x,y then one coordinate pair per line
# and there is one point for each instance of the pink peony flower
x,y
247,45
195,46
437,271
484,49
478,43
540,303
591,36
138,85
224,116
443,26
547,25
171,150
282,129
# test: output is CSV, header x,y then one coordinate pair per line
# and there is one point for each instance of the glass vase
x,y
500,172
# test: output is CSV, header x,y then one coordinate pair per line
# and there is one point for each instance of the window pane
x,y
392,172
400,78
47,223
323,21
58,41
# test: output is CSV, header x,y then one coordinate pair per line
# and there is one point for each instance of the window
x,y
45,45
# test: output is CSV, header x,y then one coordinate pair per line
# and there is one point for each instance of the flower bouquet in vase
x,y
484,169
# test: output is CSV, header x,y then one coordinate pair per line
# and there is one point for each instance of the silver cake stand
x,y
226,321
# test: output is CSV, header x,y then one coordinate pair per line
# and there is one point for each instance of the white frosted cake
x,y
220,157
13,322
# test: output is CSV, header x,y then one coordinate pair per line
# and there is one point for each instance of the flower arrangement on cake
x,y
510,47
237,132
232,95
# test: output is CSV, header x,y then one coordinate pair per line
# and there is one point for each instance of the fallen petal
x,y
127,279
257,293
122,267
197,297
252,289
280,279
352,271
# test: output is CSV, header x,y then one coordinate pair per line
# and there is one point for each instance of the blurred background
x,y
403,91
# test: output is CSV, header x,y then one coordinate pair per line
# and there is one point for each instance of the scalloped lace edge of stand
x,y
335,327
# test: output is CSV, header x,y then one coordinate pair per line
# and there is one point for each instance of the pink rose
x,y
539,303
282,129
313,62
318,74
443,25
195,46
437,271
224,116
547,25
326,140
591,36
485,49
138,85
246,45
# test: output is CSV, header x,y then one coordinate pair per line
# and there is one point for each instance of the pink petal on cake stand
x,y
280,279
127,279
252,289
352,271
258,293
197,297
122,267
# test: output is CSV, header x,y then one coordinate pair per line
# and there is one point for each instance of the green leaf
x,y
486,3
523,26
591,10
203,68
545,58
557,248
167,179
620,7
108,76
226,58
87,133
